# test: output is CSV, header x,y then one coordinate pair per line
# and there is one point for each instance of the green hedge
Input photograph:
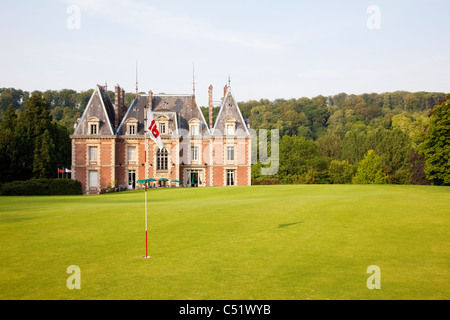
x,y
41,187
265,181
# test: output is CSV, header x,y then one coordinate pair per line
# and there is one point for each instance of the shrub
x,y
64,187
265,181
41,187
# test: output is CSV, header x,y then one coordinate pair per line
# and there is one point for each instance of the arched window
x,y
162,159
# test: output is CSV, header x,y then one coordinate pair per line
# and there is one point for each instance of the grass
x,y
261,242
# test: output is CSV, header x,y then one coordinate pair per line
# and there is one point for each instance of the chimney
x,y
117,107
210,104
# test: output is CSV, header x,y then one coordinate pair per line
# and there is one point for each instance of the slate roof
x,y
100,107
180,109
230,109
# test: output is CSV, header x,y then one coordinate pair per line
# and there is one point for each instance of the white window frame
x,y
230,126
162,160
231,172
162,128
194,127
94,126
194,153
231,153
230,129
93,154
132,155
132,129
93,129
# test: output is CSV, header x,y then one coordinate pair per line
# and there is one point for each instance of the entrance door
x,y
132,179
193,178
230,177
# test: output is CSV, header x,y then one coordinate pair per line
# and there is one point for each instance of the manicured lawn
x,y
261,242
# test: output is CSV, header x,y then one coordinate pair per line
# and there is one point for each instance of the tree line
x,y
369,138
322,139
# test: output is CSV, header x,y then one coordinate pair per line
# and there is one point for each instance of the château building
x,y
109,145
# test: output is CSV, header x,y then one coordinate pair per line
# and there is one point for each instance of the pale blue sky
x,y
271,49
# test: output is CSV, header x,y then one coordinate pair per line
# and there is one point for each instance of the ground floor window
x,y
231,177
162,159
93,178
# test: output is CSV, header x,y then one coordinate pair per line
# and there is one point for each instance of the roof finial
x,y
229,81
137,86
193,78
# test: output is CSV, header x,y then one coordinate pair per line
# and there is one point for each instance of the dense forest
x,y
366,138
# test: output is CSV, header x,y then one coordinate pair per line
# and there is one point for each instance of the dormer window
x,y
162,128
132,126
230,126
93,125
230,129
163,124
194,127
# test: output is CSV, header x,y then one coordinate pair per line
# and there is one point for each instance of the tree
x,y
8,150
394,148
40,145
370,170
296,154
340,171
31,124
42,162
354,146
436,146
417,162
330,145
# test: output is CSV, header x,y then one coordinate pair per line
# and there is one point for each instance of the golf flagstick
x,y
152,130
145,183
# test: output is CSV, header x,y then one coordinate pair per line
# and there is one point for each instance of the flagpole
x,y
146,172
152,128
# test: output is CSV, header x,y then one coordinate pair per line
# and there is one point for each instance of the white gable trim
x,y
229,92
104,110
84,112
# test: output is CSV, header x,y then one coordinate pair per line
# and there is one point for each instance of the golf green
x,y
262,242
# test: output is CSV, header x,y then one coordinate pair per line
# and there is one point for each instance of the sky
x,y
268,49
